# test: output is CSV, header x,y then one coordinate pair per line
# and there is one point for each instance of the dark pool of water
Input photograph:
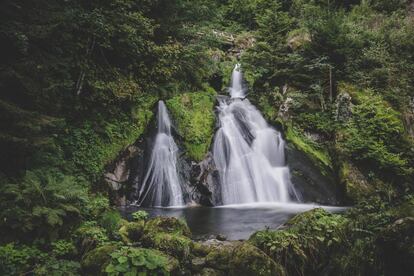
x,y
235,221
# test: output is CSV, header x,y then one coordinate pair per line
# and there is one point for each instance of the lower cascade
x,y
161,183
249,154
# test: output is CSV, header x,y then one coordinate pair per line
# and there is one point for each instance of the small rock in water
x,y
221,237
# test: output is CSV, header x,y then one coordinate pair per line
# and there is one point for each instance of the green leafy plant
x,y
132,261
140,215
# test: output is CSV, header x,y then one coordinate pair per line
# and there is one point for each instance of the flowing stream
x,y
248,153
161,183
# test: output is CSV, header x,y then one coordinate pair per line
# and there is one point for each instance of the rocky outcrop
x,y
206,183
315,185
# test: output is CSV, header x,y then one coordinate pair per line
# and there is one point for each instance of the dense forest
x,y
79,81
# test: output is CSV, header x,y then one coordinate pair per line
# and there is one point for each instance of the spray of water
x,y
248,153
161,184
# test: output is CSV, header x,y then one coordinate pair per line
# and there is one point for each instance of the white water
x,y
249,154
161,184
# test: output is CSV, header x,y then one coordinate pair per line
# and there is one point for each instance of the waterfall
x,y
248,153
161,184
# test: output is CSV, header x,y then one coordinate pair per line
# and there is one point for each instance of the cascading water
x,y
248,153
161,183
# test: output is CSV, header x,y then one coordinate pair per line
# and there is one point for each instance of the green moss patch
x,y
193,114
302,143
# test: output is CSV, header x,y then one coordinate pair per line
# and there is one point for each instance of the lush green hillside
x,y
79,81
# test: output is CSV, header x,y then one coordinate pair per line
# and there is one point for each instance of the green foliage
x,y
194,116
93,145
57,267
111,221
16,260
375,135
306,245
140,215
132,261
89,236
97,205
63,248
43,205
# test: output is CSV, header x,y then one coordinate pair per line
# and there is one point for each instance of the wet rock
x,y
118,172
221,237
206,182
313,183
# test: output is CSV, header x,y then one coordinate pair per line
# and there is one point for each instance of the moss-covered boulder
x,y
354,182
194,116
173,244
249,260
132,231
167,225
220,257
95,261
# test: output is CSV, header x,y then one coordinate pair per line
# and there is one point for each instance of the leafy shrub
x,y
16,260
63,248
140,215
44,204
58,267
132,261
89,235
375,136
111,221
97,205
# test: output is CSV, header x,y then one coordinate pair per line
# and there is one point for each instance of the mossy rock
x,y
132,231
95,261
194,116
356,185
200,249
167,225
173,244
207,271
220,257
249,260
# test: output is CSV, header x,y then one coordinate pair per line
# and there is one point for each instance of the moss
x,y
200,249
172,244
132,231
249,260
167,225
220,257
303,144
193,114
356,185
95,261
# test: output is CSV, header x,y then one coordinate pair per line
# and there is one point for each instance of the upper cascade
x,y
237,89
161,183
249,154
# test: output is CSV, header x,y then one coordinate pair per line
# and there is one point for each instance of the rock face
x,y
118,174
314,184
206,182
